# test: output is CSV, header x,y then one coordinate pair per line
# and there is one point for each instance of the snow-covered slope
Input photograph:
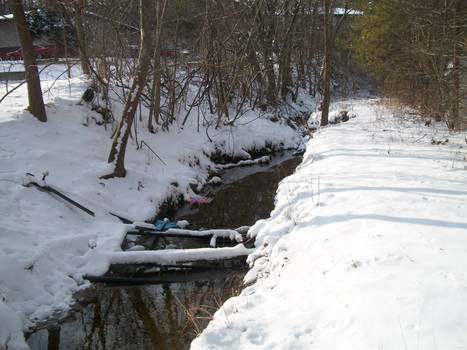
x,y
366,248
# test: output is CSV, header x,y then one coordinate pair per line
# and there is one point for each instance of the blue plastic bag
x,y
162,225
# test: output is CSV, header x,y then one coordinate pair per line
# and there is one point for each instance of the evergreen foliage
x,y
416,48
51,22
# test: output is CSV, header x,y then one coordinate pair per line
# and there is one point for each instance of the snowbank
x,y
46,244
366,246
11,334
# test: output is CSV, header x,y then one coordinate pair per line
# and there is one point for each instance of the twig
x,y
291,211
22,83
141,146
10,91
317,204
51,86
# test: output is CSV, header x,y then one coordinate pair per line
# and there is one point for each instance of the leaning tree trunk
x,y
36,102
327,64
120,140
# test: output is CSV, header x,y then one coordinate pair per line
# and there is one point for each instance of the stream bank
x,y
169,316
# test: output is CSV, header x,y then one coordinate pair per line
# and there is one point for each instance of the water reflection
x,y
146,317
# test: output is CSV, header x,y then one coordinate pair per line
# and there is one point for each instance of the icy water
x,y
170,316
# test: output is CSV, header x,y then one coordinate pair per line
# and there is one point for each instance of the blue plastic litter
x,y
162,225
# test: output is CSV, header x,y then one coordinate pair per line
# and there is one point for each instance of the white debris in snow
x,y
216,180
182,223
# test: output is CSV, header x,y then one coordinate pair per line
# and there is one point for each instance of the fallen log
x,y
130,280
50,189
168,267
176,256
146,230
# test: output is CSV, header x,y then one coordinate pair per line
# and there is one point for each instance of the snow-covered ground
x,y
47,245
366,248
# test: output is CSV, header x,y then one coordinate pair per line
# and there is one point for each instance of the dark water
x,y
170,316
246,195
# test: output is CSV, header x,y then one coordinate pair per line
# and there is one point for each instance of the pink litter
x,y
199,200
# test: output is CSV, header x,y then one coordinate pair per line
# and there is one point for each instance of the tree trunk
x,y
36,103
78,6
455,121
172,84
270,74
156,83
327,64
117,152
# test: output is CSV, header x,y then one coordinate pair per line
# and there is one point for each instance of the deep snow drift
x,y
47,245
366,248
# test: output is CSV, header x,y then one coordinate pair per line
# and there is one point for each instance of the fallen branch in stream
x,y
261,160
175,256
145,229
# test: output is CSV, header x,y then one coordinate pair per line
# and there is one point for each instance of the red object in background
x,y
168,53
40,51
199,200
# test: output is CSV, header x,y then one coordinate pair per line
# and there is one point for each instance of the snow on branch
x,y
174,256
264,159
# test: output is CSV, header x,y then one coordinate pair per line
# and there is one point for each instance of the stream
x,y
170,316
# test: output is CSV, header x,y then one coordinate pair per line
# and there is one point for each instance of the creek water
x,y
170,316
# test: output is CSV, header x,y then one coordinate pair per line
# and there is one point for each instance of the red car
x,y
170,53
40,51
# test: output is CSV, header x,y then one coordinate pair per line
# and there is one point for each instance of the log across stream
x,y
170,315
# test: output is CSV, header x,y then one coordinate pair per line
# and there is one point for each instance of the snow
x,y
47,245
366,245
174,256
11,334
215,233
11,67
216,180
231,234
264,159
365,248
6,17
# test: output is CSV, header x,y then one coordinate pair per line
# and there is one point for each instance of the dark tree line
x,y
238,55
417,48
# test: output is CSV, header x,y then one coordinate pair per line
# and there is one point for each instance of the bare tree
x,y
155,107
327,62
36,102
120,140
78,6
